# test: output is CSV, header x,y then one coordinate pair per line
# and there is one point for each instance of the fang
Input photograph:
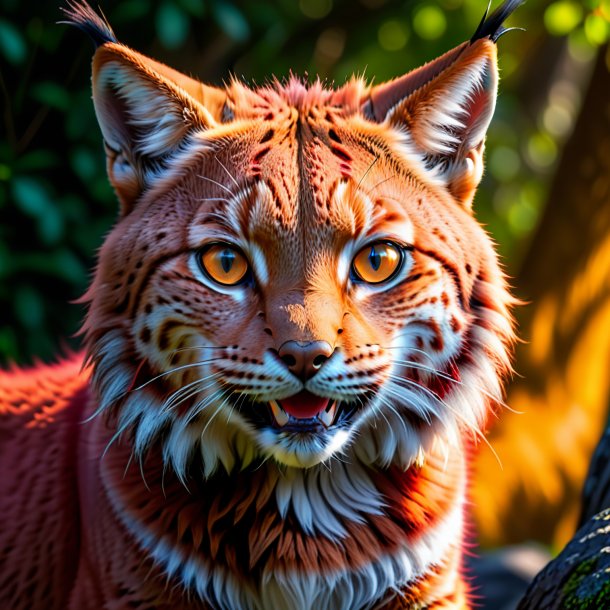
x,y
279,415
327,417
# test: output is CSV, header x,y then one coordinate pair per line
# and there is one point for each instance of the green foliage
x,y
55,201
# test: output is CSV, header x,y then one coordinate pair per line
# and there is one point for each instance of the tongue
x,y
303,405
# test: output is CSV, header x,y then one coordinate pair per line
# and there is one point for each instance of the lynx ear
x,y
447,105
145,109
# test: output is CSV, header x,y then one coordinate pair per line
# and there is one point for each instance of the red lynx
x,y
295,330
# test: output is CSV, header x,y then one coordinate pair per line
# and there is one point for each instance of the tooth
x,y
280,416
327,417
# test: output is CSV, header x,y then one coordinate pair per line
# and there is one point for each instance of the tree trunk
x,y
578,577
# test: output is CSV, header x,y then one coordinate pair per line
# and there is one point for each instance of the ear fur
x,y
446,106
145,109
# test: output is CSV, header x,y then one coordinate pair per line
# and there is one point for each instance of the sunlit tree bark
x,y
578,577
564,364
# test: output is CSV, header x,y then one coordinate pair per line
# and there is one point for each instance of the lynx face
x,y
296,272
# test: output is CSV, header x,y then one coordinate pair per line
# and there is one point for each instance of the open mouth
x,y
302,412
303,407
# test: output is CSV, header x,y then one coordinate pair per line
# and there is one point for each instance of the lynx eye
x,y
224,264
377,262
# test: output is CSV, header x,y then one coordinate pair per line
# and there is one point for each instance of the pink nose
x,y
304,359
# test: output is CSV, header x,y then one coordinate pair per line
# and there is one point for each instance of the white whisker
x,y
181,394
218,410
169,372
218,184
442,375
469,425
227,171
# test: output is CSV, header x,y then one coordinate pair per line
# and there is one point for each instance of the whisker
x,y
142,473
379,184
368,169
423,414
386,402
182,394
204,403
442,375
218,184
231,409
218,410
423,388
174,370
241,398
226,171
473,429
197,347
435,371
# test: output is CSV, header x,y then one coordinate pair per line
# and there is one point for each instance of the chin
x,y
304,449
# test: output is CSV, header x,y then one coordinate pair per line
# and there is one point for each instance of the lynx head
x,y
296,272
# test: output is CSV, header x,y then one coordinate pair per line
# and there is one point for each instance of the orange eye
x,y
377,263
224,264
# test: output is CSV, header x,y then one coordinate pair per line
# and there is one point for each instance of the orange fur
x,y
190,484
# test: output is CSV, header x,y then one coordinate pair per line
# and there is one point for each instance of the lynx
x,y
296,331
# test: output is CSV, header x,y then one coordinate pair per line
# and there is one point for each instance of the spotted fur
x,y
183,494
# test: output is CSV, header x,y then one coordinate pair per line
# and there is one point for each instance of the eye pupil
x,y
224,264
377,262
227,258
374,259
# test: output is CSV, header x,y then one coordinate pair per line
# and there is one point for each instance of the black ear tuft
x,y
82,16
491,27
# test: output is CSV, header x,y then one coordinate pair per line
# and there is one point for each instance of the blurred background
x,y
545,196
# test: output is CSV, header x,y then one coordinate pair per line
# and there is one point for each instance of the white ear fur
x,y
137,114
144,115
447,115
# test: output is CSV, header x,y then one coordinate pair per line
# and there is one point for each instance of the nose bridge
x,y
304,316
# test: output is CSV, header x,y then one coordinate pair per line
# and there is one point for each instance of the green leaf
x,y
129,11
8,343
172,25
84,163
80,120
37,160
230,19
34,200
12,44
194,7
51,94
28,306
69,266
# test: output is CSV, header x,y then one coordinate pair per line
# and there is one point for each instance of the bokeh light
x,y
429,22
316,9
393,35
563,16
